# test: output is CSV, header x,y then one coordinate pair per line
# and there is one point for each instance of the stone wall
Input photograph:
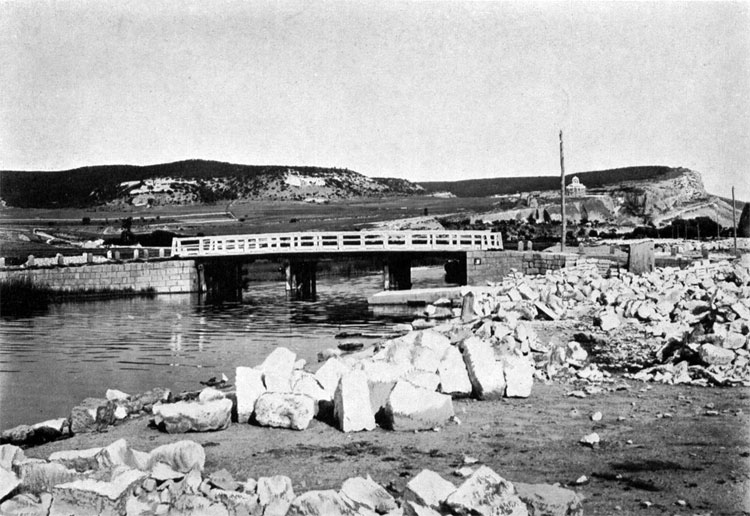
x,y
169,276
484,266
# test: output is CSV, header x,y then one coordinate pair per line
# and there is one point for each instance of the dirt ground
x,y
659,445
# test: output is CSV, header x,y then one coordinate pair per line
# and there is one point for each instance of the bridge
x,y
301,251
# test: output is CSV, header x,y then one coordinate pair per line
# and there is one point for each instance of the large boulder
x,y
26,504
548,500
237,502
351,403
277,370
330,373
284,410
414,509
423,379
308,385
414,408
519,376
9,455
79,460
275,494
486,373
425,359
320,503
51,430
187,416
249,384
486,493
428,489
364,492
39,476
182,456
119,453
381,378
88,497
21,434
8,483
92,414
454,379
715,355
145,401
435,341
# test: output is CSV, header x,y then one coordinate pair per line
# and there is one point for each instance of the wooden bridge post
x,y
397,273
301,278
222,279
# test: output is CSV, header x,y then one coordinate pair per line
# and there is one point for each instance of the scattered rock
x,y
486,493
278,367
364,492
26,504
210,394
9,455
79,460
545,499
519,376
91,415
608,321
186,416
320,503
249,385
428,489
330,373
89,497
115,395
8,483
485,373
454,379
284,410
715,355
182,456
275,494
352,407
591,440
38,476
414,408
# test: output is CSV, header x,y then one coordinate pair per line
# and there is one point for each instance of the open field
x,y
234,218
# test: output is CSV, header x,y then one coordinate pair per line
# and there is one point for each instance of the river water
x,y
53,359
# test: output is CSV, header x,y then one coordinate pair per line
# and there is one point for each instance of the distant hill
x,y
189,182
513,185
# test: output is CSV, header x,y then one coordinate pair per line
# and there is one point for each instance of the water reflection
x,y
50,360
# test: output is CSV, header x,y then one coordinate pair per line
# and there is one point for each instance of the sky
x,y
419,90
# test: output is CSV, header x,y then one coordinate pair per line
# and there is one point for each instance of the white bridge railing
x,y
342,241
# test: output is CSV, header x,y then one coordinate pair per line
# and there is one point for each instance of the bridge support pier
x,y
397,273
301,278
221,280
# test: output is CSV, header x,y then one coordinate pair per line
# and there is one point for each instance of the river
x,y
55,358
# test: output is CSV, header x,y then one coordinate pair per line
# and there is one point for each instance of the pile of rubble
x,y
119,480
670,325
403,384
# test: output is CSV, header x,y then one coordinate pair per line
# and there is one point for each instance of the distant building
x,y
575,188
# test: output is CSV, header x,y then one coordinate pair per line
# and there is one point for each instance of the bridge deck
x,y
335,242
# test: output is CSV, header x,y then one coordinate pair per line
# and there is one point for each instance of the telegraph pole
x,y
734,222
562,193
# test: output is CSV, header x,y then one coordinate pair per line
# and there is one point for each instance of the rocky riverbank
x,y
686,328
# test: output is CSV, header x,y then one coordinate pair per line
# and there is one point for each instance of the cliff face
x,y
190,182
656,198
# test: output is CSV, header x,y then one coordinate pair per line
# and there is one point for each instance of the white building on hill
x,y
575,188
